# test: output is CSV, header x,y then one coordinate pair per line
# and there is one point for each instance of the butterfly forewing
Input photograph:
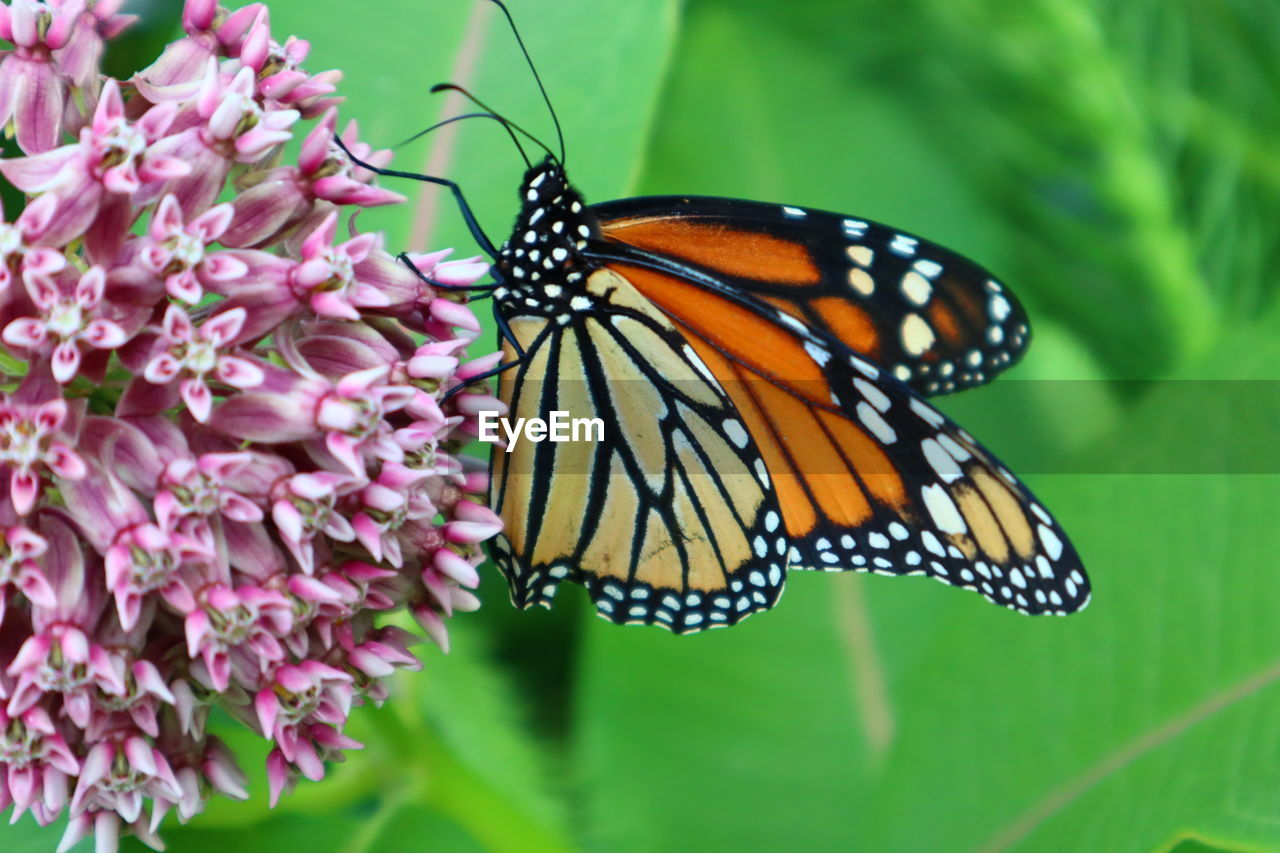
x,y
869,476
936,320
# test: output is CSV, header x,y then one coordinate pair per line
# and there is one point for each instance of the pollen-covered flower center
x,y
132,695
59,675
150,570
250,112
122,778
10,560
296,707
23,444
44,17
186,251
354,417
65,319
19,746
197,496
278,59
315,512
342,272
232,627
390,519
200,356
122,144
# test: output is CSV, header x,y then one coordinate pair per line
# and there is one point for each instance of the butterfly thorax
x,y
543,259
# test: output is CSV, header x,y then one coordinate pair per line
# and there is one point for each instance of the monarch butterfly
x,y
762,370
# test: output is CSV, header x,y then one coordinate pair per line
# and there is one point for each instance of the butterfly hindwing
x,y
669,519
933,318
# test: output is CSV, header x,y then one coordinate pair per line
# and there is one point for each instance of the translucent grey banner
x,y
1032,426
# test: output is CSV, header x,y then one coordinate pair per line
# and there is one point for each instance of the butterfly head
x,y
551,231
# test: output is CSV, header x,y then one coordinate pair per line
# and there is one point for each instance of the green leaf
x,y
26,837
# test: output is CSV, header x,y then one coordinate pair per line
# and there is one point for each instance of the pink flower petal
x,y
91,286
184,287
65,362
347,451
37,215
195,393
25,332
104,334
221,266
177,325
162,369
223,326
210,224
453,565
166,220
38,103
239,372
331,303
321,238
65,462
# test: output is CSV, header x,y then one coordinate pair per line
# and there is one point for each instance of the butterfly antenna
x,y
469,217
541,88
454,87
499,119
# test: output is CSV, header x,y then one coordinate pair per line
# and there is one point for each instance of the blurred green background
x,y
1118,164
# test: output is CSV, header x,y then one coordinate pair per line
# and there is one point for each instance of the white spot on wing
x,y
941,461
917,337
932,544
787,320
927,413
699,365
871,420
957,452
903,245
861,255
916,288
1052,544
928,269
861,281
864,367
736,433
999,308
855,228
817,353
873,395
943,510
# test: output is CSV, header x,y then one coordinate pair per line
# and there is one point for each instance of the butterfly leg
x,y
481,377
473,225
486,287
504,329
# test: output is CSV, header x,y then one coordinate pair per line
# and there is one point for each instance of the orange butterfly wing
x,y
933,318
868,475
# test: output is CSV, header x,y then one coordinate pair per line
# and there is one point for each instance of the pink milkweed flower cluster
x,y
225,443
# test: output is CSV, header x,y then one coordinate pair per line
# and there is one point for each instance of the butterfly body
x,y
761,372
